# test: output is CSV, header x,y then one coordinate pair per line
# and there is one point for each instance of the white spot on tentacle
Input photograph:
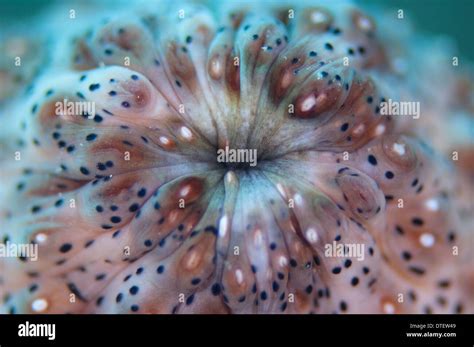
x,y
223,226
399,148
388,308
239,276
41,238
432,204
186,133
39,305
427,240
312,235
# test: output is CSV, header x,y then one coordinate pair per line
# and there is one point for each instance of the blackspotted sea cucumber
x,y
110,137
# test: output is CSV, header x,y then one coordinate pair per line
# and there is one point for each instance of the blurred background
x,y
453,18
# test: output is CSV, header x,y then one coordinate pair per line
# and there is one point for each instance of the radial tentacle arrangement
x,y
139,203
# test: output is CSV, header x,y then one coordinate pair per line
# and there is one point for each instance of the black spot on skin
x,y
84,171
216,289
134,290
66,247
100,277
91,137
451,236
133,207
119,297
417,270
399,230
406,255
417,221
73,289
275,286
88,243
99,300
316,260
190,299
372,160
115,219
444,284
94,87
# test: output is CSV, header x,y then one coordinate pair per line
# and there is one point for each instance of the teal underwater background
x,y
449,18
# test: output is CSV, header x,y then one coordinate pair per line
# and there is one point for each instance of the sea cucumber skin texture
x,y
170,230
